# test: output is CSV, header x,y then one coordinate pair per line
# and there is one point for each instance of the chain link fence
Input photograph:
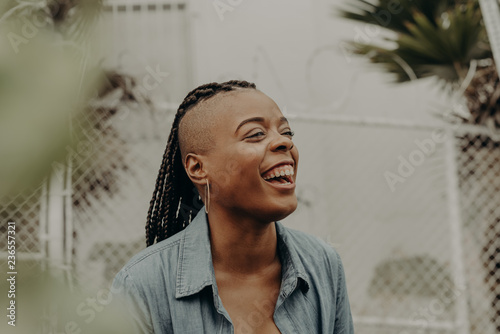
x,y
112,189
479,174
25,210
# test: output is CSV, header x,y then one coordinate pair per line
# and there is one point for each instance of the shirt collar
x,y
195,269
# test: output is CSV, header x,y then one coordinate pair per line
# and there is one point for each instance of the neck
x,y
241,245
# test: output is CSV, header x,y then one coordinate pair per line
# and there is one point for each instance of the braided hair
x,y
173,205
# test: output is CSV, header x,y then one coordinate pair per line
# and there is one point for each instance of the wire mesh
x,y
24,210
479,174
112,186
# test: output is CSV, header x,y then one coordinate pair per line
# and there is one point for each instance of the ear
x,y
195,168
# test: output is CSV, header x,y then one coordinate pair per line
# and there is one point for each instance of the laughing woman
x,y
226,264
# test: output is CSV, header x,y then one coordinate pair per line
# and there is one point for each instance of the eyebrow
x,y
283,119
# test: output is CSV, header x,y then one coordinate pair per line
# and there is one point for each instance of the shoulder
x,y
152,260
147,275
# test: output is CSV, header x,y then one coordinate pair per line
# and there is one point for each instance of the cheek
x,y
253,152
244,163
235,169
244,159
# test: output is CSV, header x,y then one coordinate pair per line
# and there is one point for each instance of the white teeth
x,y
287,171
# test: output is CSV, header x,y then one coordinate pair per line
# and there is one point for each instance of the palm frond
x,y
392,15
434,38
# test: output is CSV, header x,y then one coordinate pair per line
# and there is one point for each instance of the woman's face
x,y
252,149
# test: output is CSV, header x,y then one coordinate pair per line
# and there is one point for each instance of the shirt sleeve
x,y
132,302
343,317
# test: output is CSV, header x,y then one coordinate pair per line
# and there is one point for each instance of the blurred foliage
x,y
46,303
443,39
483,97
56,99
435,38
42,87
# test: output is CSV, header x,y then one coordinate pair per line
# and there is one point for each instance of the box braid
x,y
172,206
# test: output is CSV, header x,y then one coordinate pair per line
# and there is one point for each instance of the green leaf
x,y
434,38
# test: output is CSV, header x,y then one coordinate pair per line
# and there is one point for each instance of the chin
x,y
281,211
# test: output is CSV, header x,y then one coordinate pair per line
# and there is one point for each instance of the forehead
x,y
237,106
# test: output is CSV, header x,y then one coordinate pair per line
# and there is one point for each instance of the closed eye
x,y
257,134
289,133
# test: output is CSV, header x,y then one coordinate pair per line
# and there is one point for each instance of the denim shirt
x,y
170,287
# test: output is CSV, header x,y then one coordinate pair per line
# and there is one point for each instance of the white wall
x,y
272,42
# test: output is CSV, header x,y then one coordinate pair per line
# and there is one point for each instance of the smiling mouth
x,y
281,175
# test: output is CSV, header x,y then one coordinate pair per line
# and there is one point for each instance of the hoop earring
x,y
207,197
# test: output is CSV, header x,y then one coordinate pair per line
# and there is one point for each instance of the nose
x,y
281,143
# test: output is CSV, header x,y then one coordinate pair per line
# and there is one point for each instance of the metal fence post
x,y
55,218
453,196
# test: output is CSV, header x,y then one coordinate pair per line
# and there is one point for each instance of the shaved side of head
x,y
196,127
195,135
